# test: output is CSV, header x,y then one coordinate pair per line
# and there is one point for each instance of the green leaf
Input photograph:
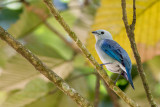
x,y
50,49
157,88
59,99
50,100
25,24
3,96
154,66
65,1
39,93
11,4
8,17
33,90
43,42
139,94
3,57
18,70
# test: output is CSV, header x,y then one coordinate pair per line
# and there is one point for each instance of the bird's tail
x,y
130,80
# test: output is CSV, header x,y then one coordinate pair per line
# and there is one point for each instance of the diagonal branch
x,y
59,82
43,16
102,72
113,96
70,44
131,36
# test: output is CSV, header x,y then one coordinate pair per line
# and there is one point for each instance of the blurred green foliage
x,y
9,17
22,86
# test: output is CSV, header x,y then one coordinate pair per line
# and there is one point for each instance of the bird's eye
x,y
102,32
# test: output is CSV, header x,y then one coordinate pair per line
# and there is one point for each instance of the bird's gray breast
x,y
103,56
114,66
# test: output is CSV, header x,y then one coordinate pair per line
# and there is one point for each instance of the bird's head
x,y
102,34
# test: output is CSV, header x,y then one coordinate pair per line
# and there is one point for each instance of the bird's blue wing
x,y
114,50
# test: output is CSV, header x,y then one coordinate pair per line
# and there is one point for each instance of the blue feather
x,y
115,51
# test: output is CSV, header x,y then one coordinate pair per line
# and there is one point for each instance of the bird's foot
x,y
104,64
101,66
118,77
115,81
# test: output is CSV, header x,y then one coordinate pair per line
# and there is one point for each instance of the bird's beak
x,y
94,32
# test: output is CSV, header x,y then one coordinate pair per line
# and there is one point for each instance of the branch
x,y
81,75
101,71
124,17
96,100
112,95
131,36
59,82
134,15
43,16
70,44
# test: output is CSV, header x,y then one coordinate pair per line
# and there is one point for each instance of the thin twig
x,y
131,36
70,79
70,44
134,15
43,16
37,11
37,63
97,90
102,72
124,17
81,75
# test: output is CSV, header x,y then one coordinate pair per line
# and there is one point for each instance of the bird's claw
x,y
118,77
101,66
104,64
115,82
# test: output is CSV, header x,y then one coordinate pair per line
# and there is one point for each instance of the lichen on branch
x,y
43,69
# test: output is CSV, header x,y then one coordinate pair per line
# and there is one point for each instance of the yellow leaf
x,y
147,29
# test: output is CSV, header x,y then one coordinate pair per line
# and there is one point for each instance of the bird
x,y
112,55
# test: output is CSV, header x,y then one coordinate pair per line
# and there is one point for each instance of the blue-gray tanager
x,y
113,56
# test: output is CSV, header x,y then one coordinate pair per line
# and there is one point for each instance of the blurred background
x,y
30,22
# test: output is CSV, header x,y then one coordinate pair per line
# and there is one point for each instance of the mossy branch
x,y
84,50
113,96
37,63
131,36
